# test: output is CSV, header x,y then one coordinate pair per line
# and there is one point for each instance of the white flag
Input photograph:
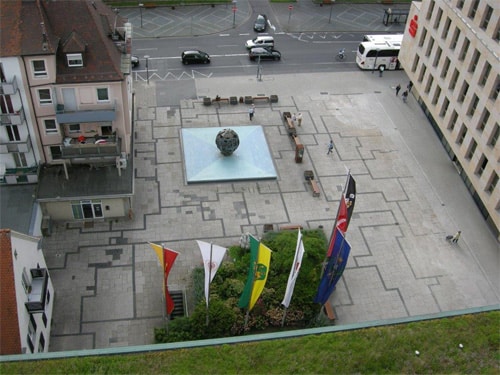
x,y
294,272
212,257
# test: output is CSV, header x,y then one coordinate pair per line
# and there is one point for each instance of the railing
x,y
16,146
110,146
8,88
38,292
26,175
16,118
105,106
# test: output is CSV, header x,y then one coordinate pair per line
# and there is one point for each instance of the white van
x,y
260,41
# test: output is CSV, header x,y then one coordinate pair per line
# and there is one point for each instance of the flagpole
x,y
165,312
209,278
284,316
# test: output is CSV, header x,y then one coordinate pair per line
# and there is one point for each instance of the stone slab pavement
x,y
108,281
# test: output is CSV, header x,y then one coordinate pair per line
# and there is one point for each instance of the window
x,y
39,69
437,94
50,126
454,39
87,209
484,120
422,38
446,28
430,81
485,74
437,58
494,136
488,12
430,10
13,133
465,48
453,120
460,4
473,105
423,69
415,63
462,134
429,46
437,21
492,184
444,107
483,162
463,92
453,80
41,343
55,152
473,9
471,150
74,59
496,88
25,280
74,128
102,94
474,61
44,96
44,319
19,159
446,66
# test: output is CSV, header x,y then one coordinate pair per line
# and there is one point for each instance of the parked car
x,y
195,57
264,54
260,41
134,60
260,24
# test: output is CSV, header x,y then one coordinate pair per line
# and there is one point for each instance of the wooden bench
x,y
315,187
329,311
287,118
266,98
291,227
149,5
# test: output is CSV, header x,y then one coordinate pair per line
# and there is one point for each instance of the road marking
x,y
146,49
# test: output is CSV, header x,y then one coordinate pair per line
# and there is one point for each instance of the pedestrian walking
x,y
330,147
398,87
405,96
294,119
299,118
251,112
410,85
455,238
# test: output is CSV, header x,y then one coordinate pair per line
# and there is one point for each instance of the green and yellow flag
x,y
260,258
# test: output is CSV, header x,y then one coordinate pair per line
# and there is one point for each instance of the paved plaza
x,y
108,281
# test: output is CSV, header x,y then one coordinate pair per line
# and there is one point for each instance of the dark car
x,y
195,57
260,24
134,60
264,54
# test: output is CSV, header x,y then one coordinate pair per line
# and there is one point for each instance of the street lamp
x,y
141,5
375,63
147,68
234,13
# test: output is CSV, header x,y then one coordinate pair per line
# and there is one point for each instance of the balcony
x,y
8,88
103,113
16,146
16,118
13,176
91,148
38,290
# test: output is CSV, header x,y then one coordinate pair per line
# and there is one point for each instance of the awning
x,y
85,116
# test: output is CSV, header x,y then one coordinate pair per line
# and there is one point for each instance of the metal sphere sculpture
x,y
227,141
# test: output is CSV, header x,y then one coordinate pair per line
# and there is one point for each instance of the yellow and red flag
x,y
166,257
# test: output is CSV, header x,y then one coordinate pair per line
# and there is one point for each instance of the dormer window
x,y
74,60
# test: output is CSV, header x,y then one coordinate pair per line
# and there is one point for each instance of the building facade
x,y
451,52
26,295
70,60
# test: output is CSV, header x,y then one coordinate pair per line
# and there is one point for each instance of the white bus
x,y
378,51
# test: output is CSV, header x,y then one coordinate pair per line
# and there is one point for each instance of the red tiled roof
x,y
10,341
37,27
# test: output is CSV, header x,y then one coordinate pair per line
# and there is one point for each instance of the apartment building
x,y
26,295
451,52
73,63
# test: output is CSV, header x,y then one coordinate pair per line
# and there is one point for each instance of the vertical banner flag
x,y
167,259
294,271
334,268
344,214
261,272
260,258
212,258
350,198
247,291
